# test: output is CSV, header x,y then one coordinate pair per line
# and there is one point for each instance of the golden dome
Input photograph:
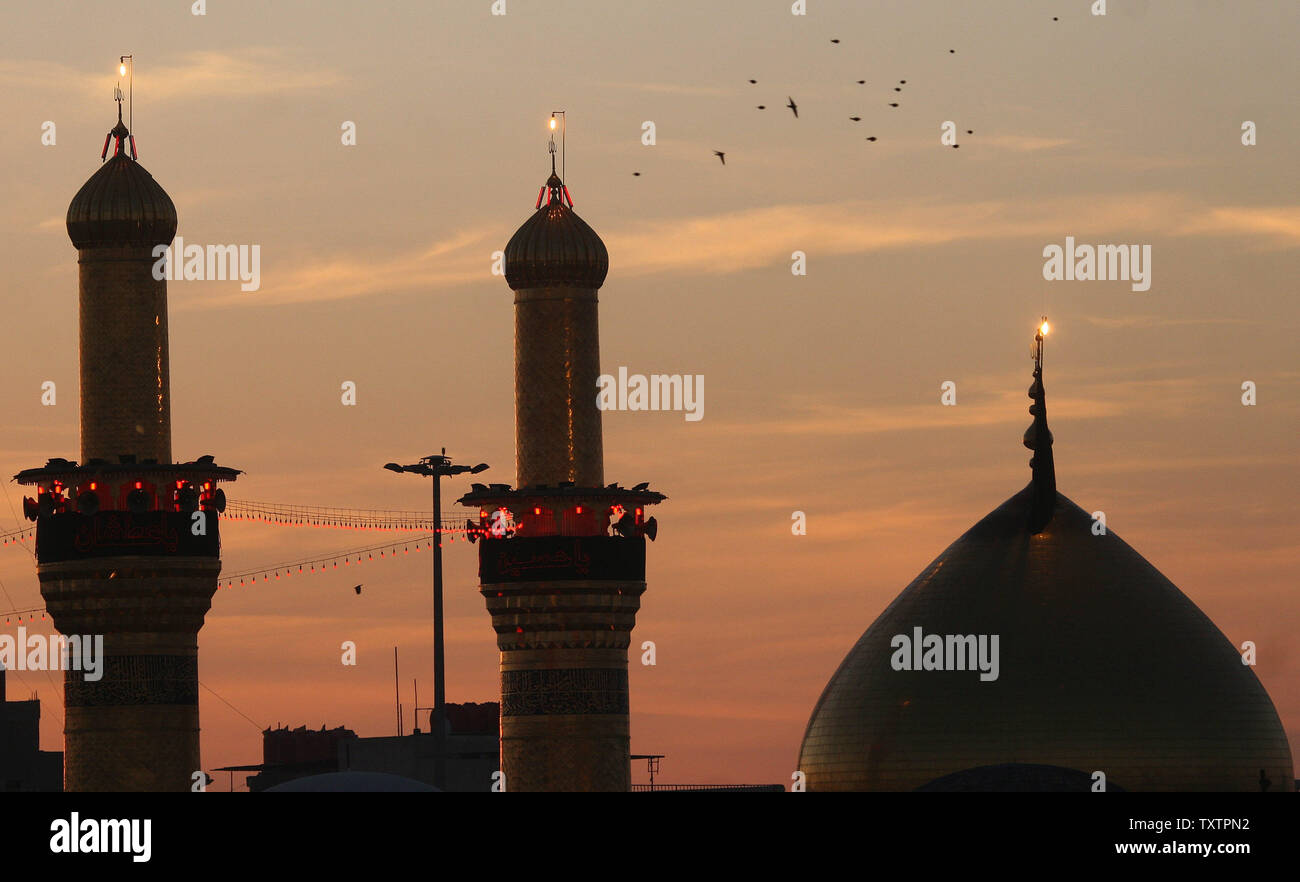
x,y
1103,665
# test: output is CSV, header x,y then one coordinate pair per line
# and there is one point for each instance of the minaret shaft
x,y
125,387
557,365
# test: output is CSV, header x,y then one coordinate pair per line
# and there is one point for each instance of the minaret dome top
x,y
555,247
121,204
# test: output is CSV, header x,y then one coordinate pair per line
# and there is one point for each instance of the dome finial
x,y
558,192
119,131
555,248
1038,438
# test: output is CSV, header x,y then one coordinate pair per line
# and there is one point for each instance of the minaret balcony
x,y
76,536
127,508
561,559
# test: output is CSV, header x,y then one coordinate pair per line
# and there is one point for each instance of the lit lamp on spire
x,y
559,119
130,87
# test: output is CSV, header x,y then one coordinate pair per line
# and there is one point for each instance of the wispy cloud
x,y
824,417
248,72
462,258
667,88
1160,321
1023,143
1276,225
755,237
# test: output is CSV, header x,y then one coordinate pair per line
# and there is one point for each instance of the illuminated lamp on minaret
x,y
127,542
561,556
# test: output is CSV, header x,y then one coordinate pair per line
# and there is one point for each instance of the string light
x,y
329,562
332,517
19,535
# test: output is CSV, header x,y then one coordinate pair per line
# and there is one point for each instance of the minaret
x,y
562,558
127,542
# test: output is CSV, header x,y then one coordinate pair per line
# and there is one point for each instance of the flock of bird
x,y
794,109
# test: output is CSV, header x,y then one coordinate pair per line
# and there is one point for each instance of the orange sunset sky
x,y
822,392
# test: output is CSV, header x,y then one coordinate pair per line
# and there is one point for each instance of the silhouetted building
x,y
127,543
23,765
1103,665
471,747
563,586
471,744
295,753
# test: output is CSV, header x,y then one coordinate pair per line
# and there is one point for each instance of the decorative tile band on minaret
x,y
127,542
562,557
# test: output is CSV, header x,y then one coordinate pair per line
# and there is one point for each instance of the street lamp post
x,y
436,466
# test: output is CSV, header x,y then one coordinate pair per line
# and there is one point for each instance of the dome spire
x,y
554,191
121,204
1038,438
119,131
555,247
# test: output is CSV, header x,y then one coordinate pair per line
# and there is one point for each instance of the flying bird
x,y
834,41
871,138
893,105
762,107
753,82
856,118
793,107
903,82
952,51
862,82
357,589
721,155
970,131
897,89
636,174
